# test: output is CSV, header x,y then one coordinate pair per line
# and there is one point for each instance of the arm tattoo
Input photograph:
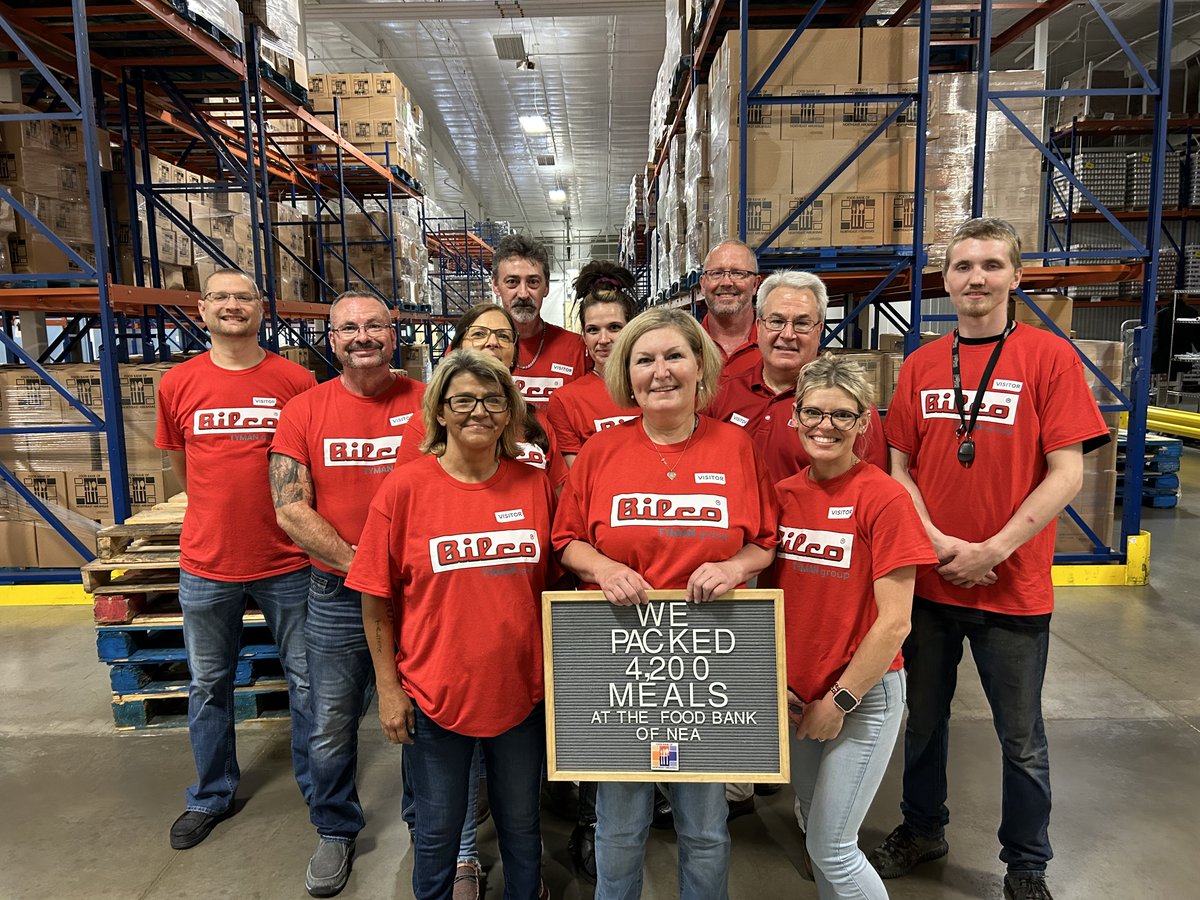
x,y
290,481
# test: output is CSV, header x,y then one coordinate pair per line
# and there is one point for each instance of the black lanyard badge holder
x,y
966,427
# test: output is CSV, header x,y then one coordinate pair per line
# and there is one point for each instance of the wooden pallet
x,y
136,570
147,677
268,700
159,638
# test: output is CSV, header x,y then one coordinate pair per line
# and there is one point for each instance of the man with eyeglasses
x,y
217,414
727,283
988,428
334,446
791,313
547,356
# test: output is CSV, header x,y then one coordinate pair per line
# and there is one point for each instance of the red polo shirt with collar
x,y
743,358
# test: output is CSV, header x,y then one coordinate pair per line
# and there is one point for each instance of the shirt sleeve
x,y
167,433
898,538
570,523
560,424
371,569
899,424
1070,414
767,533
291,432
414,436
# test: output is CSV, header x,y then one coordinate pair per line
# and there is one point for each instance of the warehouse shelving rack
x,y
163,83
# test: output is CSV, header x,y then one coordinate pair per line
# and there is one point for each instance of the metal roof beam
x,y
1043,12
465,10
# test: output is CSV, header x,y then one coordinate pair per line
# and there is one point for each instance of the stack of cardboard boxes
x,y
376,113
370,256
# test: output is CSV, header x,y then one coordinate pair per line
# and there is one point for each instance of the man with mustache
x,y
547,356
217,414
335,445
727,283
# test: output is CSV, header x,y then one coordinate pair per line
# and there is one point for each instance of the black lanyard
x,y
966,447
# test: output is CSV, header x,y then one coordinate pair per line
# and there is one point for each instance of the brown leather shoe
x,y
468,882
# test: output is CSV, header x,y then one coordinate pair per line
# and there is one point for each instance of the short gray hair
x,y
360,295
797,281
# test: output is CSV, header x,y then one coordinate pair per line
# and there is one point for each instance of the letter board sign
x,y
668,691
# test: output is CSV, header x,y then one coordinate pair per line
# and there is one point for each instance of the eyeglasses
x,y
227,296
466,403
735,274
348,331
480,334
841,419
778,323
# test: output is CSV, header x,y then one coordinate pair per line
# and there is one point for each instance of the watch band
x,y
840,694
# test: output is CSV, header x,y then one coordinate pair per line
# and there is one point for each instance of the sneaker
x,y
903,849
664,815
1026,887
329,868
468,881
193,827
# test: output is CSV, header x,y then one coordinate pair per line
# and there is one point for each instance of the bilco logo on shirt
x,y
235,420
484,548
537,389
822,548
711,510
995,407
362,451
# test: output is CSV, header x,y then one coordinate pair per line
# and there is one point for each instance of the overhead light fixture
x,y
526,65
558,195
533,124
510,46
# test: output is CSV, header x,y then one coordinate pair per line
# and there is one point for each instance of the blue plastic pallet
x,y
159,678
125,643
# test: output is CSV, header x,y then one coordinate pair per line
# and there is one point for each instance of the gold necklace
x,y
671,469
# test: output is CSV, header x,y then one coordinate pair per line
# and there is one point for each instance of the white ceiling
x,y
596,65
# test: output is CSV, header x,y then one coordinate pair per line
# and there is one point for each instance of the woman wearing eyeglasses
x,y
578,410
849,545
628,523
462,536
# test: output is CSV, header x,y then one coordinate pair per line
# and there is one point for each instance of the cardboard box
x,y
25,399
49,487
901,212
18,544
814,161
338,84
89,493
1058,307
388,84
877,365
858,219
362,84
53,552
318,86
857,119
893,342
769,165
807,121
812,228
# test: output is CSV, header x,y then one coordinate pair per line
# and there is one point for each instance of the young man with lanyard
x,y
548,356
727,283
987,429
791,311
334,446
217,414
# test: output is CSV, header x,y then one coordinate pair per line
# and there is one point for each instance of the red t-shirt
x,y
720,500
348,444
836,538
223,420
543,366
465,566
549,461
743,358
582,408
746,401
1038,402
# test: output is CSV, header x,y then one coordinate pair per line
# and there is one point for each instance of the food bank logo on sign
x,y
537,390
235,420
822,548
711,510
531,455
610,422
362,451
484,548
664,757
995,407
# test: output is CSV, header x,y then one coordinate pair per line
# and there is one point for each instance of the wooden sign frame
x,y
780,775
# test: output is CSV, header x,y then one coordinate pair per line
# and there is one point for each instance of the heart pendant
x,y
671,475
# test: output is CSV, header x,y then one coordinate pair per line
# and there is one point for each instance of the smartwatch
x,y
845,700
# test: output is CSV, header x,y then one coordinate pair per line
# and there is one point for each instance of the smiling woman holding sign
x,y
462,536
672,500
849,544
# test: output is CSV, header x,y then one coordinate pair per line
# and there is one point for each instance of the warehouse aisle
x,y
87,810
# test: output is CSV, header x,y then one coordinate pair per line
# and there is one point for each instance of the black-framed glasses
x,y
466,403
480,334
348,331
841,419
234,296
735,274
778,323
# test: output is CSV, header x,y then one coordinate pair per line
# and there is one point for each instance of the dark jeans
x,y
1012,665
439,763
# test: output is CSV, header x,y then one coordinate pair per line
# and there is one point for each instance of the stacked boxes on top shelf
x,y
377,114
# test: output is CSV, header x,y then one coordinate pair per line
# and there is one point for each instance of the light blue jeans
x,y
836,781
624,811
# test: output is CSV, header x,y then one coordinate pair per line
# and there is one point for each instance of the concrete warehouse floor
x,y
86,809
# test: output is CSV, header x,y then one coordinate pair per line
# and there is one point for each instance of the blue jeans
x,y
624,811
836,781
1012,666
439,763
342,684
212,630
468,850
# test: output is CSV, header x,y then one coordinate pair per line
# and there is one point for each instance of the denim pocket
x,y
323,585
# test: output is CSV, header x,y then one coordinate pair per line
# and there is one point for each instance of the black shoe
x,y
193,827
329,868
806,868
767,790
664,816
582,850
1026,887
903,849
738,808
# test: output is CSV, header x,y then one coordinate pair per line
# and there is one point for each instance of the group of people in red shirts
x,y
398,537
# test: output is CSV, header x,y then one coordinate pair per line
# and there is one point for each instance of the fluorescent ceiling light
x,y
533,124
558,195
